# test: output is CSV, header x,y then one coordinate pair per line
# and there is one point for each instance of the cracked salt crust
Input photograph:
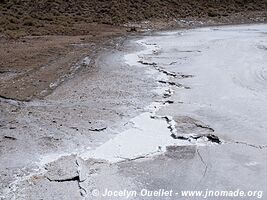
x,y
150,134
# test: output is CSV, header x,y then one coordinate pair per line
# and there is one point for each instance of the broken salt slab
x,y
147,137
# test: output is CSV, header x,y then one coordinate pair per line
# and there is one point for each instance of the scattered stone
x,y
98,126
132,29
10,138
86,61
75,128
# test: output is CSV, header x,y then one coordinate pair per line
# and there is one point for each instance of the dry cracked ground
x,y
179,110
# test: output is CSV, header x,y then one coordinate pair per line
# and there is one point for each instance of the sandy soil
x,y
34,66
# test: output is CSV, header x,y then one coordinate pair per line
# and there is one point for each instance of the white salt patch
x,y
147,136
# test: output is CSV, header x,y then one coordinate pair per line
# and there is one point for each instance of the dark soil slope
x,y
61,16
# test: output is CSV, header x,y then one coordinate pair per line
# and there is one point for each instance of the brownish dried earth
x,y
34,66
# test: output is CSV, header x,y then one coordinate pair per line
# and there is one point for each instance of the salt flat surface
x,y
228,88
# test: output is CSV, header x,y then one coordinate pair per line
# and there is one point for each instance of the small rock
x,y
75,128
97,126
10,138
132,29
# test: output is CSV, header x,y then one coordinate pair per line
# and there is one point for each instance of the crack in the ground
x,y
98,129
210,137
168,102
131,159
251,145
203,162
171,83
174,84
83,191
170,122
168,73
75,178
204,127
147,63
165,71
185,76
139,157
205,165
158,68
189,51
14,99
